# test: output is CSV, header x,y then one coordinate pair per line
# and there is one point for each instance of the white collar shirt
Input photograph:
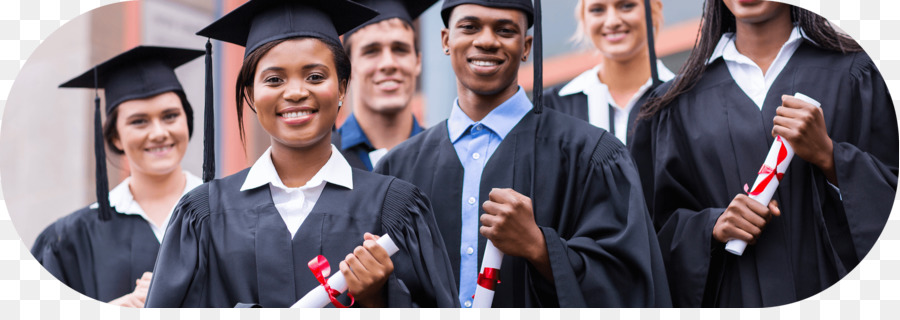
x,y
748,76
295,204
123,201
600,100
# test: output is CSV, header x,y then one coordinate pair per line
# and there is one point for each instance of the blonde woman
x,y
610,94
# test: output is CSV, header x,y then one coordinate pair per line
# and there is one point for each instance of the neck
x,y
296,166
157,193
762,41
625,77
384,130
145,186
477,106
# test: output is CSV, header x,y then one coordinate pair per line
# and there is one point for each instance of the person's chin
x,y
301,140
487,86
390,105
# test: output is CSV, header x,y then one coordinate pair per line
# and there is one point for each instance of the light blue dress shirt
x,y
475,142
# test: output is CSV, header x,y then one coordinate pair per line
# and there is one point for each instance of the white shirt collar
x,y
588,80
123,201
336,171
727,50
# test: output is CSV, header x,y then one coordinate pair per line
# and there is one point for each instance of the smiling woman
x,y
301,197
107,250
152,133
610,95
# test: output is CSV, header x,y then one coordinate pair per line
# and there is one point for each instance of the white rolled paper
x,y
493,258
318,297
735,246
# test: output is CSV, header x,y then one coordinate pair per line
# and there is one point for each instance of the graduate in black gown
x,y
107,250
610,95
709,132
248,237
559,197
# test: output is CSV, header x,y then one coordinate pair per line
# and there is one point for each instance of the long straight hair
x,y
718,20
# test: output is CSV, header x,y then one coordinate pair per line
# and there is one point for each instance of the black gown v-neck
x,y
696,154
225,246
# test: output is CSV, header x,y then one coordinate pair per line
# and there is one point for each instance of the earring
x,y
340,104
446,51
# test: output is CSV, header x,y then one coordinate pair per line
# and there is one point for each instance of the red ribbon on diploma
x,y
321,269
771,171
489,278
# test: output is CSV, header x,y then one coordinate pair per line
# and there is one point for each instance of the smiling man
x,y
384,53
559,197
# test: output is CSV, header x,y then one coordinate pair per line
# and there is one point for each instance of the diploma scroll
x,y
489,276
777,161
319,297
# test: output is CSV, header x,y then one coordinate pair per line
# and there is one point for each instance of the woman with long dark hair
x,y
703,139
253,237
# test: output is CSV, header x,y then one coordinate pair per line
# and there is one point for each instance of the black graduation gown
x,y
576,105
224,246
697,153
587,201
100,259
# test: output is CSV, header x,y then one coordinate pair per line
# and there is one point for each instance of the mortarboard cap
x,y
260,21
406,10
138,73
524,5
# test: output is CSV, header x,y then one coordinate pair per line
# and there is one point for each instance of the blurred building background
x,y
47,132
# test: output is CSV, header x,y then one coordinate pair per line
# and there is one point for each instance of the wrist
x,y
826,159
376,301
538,250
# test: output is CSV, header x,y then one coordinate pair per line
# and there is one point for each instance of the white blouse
x,y
123,201
295,204
600,100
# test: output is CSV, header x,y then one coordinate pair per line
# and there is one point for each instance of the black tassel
x,y
651,44
538,95
209,142
100,158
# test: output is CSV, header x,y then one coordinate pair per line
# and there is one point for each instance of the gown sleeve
x,y
57,249
866,162
422,274
611,257
683,224
181,272
48,252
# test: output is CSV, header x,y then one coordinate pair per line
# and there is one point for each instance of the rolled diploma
x,y
735,246
318,298
484,297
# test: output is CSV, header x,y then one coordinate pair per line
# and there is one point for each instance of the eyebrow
x,y
145,114
305,67
500,21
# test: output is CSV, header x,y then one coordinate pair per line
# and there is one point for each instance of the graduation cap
x,y
261,21
406,10
524,5
138,73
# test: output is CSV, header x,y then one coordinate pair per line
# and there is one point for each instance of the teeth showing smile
x,y
483,63
615,36
298,114
160,149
